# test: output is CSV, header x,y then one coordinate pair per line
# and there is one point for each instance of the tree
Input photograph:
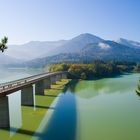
x,y
83,76
3,43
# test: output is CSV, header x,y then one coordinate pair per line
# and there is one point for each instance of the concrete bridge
x,y
29,87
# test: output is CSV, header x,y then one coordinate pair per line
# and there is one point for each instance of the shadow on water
x,y
45,107
62,125
49,95
23,131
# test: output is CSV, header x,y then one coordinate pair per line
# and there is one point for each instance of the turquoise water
x,y
106,109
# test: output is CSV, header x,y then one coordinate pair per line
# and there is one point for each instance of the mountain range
x,y
84,47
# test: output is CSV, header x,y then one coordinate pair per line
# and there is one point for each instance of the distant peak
x,y
89,37
128,40
86,34
122,39
129,43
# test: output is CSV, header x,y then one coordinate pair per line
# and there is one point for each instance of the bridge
x,y
30,86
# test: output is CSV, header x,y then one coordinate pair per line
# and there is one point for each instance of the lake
x,y
105,109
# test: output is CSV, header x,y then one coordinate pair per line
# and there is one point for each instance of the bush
x,y
58,67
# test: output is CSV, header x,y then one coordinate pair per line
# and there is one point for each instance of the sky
x,y
46,20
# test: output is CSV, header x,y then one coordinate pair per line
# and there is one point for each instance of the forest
x,y
97,69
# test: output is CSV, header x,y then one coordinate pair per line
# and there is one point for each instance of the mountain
x,y
38,49
77,43
33,49
105,50
130,43
83,48
110,50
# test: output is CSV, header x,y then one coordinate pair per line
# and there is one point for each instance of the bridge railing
x,y
17,83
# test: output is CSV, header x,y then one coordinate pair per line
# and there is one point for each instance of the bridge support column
x,y
64,76
4,113
39,88
47,83
42,85
53,79
27,96
58,77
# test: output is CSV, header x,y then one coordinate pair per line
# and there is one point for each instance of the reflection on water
x,y
89,89
108,111
15,111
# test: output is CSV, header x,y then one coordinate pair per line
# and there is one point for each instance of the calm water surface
x,y
106,109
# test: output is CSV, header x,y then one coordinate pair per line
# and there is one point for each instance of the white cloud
x,y
104,46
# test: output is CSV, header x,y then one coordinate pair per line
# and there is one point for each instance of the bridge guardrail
x,y
24,81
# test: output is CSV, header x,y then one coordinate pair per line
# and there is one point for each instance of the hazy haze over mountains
x,y
35,49
83,46
32,49
5,59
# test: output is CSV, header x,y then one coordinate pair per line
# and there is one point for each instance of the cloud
x,y
104,46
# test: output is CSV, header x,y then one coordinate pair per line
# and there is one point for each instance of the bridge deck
x,y
12,86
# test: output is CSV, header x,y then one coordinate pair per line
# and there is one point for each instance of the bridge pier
x,y
47,83
4,113
53,79
64,76
27,96
39,88
58,77
42,85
